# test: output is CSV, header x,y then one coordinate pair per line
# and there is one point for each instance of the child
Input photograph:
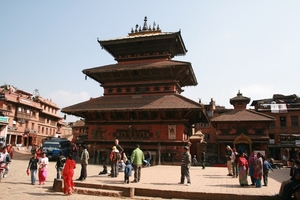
x,y
104,170
127,171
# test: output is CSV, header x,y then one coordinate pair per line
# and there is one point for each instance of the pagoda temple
x,y
142,101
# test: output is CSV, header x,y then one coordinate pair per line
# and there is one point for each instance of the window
x,y
294,121
272,125
204,125
282,121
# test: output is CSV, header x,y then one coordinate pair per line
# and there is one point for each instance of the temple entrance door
x,y
243,143
243,147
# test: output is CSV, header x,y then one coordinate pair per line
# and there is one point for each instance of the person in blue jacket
x,y
127,171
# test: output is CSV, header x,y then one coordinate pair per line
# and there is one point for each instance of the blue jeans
x,y
33,175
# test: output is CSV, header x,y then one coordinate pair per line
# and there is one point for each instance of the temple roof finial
x,y
145,24
145,29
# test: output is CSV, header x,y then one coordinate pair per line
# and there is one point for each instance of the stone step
x,y
98,192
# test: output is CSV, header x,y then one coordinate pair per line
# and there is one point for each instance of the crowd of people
x,y
239,165
258,167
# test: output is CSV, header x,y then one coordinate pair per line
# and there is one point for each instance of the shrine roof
x,y
145,41
242,115
137,65
159,70
135,102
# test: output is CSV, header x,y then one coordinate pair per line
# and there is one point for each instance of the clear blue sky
x,y
252,46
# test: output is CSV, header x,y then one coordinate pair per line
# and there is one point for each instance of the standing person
x,y
84,162
137,158
258,170
59,164
33,167
243,170
228,158
266,168
43,163
251,160
195,160
185,166
203,158
127,171
68,173
114,158
234,162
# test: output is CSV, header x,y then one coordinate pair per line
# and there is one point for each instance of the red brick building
x,y
142,101
284,132
31,118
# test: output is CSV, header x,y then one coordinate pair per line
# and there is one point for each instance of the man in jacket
x,y
185,166
137,158
84,162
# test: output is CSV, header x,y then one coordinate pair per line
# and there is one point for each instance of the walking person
x,y
266,168
84,162
32,168
136,159
59,164
228,158
186,162
243,170
127,171
203,158
43,163
68,173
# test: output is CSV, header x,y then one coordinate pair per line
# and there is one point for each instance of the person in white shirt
x,y
43,162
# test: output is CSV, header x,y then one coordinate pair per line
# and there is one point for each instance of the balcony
x,y
23,116
29,130
12,128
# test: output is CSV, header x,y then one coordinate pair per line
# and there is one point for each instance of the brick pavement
x,y
211,183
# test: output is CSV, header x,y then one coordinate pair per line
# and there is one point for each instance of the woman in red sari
x,y
243,170
68,173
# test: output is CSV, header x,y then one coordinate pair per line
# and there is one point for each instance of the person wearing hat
x,y
185,166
